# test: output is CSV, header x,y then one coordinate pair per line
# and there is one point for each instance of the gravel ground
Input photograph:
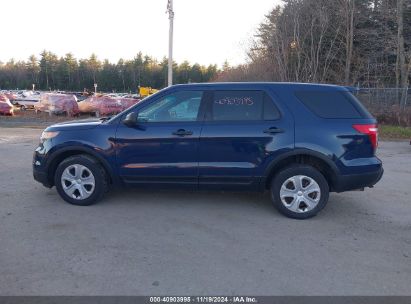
x,y
33,120
151,243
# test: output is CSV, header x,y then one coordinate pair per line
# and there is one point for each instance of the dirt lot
x,y
31,119
137,242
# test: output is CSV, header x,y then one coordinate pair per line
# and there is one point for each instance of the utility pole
x,y
170,42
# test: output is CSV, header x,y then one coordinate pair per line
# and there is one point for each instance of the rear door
x,y
243,132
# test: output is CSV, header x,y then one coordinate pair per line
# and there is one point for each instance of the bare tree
x,y
348,9
403,63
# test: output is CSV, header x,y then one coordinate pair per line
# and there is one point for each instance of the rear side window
x,y
243,105
332,104
270,111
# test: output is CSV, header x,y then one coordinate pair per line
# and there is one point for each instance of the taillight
x,y
371,130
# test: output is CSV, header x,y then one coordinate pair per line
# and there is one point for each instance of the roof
x,y
276,85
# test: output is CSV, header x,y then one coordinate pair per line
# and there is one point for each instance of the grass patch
x,y
394,132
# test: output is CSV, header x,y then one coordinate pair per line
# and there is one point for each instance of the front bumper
x,y
40,170
41,177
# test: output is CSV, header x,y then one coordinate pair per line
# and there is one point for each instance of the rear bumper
x,y
358,181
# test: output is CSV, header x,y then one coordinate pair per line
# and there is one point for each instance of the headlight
x,y
48,135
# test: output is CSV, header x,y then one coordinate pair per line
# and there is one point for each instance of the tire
x,y
299,191
81,180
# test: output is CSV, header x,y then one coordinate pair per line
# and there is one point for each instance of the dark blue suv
x,y
299,141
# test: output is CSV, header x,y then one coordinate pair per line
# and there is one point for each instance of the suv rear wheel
x,y
80,180
299,191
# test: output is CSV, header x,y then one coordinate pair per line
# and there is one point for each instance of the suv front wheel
x,y
299,191
80,180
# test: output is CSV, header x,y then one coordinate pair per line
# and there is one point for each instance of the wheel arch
x,y
317,160
64,153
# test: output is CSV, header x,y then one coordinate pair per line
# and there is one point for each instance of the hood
x,y
82,124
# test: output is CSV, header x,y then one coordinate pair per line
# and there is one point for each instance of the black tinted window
x,y
329,104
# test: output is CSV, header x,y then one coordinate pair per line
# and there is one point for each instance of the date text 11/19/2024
x,y
204,299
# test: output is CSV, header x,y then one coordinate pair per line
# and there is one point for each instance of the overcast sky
x,y
206,31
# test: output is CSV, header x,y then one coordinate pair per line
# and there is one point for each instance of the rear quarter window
x,y
332,104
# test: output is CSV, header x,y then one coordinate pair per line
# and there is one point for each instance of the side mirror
x,y
131,119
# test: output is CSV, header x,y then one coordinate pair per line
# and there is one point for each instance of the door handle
x,y
182,132
273,130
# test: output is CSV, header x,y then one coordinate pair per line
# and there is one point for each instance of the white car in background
x,y
26,100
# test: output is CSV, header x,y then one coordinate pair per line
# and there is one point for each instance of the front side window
x,y
178,106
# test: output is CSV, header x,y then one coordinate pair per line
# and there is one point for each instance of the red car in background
x,y
6,108
11,96
105,105
58,104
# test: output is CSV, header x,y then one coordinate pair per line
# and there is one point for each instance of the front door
x,y
162,149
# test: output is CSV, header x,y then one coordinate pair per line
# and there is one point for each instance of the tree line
x,y
50,72
350,42
365,43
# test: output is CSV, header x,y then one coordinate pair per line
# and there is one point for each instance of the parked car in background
x,y
6,108
11,96
27,100
127,102
58,104
79,95
102,105
298,141
134,96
